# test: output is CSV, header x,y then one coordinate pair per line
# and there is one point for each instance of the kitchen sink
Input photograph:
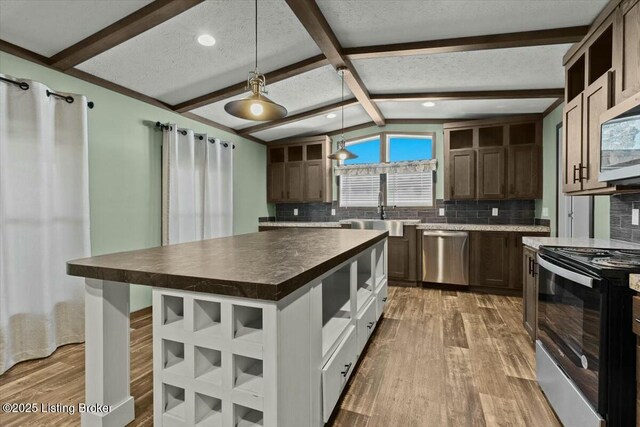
x,y
393,226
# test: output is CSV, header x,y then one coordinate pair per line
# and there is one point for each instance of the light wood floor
x,y
438,358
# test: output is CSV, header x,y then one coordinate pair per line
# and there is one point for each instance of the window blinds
x,y
410,189
359,190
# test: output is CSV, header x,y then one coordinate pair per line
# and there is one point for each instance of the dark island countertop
x,y
268,265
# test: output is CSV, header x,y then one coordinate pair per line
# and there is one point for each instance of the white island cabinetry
x,y
231,361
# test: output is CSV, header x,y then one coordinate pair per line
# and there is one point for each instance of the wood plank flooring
x,y
438,358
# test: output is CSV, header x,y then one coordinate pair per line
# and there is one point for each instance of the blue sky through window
x,y
403,148
368,152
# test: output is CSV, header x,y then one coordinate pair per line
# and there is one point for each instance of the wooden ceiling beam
x,y
464,44
298,117
466,95
311,18
141,20
238,88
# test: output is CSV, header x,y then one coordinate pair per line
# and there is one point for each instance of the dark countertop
x,y
267,265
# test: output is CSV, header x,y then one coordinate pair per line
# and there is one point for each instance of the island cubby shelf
x,y
233,361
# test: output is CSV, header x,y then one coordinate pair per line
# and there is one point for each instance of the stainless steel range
x,y
585,351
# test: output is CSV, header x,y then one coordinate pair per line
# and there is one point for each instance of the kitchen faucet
x,y
381,205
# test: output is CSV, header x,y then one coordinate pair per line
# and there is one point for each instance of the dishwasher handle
x,y
445,233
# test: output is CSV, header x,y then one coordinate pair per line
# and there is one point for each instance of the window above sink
x,y
401,167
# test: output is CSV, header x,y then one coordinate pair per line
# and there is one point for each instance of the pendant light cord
x,y
342,106
256,31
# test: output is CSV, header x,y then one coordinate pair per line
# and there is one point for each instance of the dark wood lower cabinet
x,y
489,259
496,259
402,256
530,292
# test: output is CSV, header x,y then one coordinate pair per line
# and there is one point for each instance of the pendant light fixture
x,y
342,153
256,106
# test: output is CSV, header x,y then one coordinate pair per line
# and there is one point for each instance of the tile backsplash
x,y
620,217
456,212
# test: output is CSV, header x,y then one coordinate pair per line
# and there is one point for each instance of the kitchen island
x,y
261,329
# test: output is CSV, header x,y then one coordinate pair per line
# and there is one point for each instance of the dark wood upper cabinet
x,y
276,187
571,149
482,157
299,171
313,181
626,55
597,100
461,174
491,176
294,181
601,71
524,177
276,183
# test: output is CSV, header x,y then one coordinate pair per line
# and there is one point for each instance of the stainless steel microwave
x,y
620,143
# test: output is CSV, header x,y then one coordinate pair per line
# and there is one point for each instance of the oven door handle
x,y
563,272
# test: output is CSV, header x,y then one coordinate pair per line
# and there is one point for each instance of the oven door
x,y
570,319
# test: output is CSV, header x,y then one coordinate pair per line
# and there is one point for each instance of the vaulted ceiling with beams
x,y
471,58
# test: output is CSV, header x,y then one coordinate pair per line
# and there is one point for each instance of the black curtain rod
x,y
166,126
25,86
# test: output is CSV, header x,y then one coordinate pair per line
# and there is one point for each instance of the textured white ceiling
x,y
463,109
302,92
516,68
354,115
167,63
47,27
370,22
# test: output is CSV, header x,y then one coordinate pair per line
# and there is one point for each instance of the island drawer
x,y
366,323
381,299
336,372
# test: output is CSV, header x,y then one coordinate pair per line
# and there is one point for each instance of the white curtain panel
x,y
197,187
218,196
44,221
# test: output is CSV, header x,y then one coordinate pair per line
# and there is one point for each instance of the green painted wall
x,y
549,191
439,146
125,167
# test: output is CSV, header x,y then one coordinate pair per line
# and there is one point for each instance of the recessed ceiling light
x,y
206,40
331,116
428,104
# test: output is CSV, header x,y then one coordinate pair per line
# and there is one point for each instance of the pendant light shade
x,y
342,153
256,106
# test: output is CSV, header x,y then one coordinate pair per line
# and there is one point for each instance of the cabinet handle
x,y
576,170
370,325
534,266
530,267
384,299
346,370
637,319
585,169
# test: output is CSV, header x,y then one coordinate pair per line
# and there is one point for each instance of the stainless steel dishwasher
x,y
445,257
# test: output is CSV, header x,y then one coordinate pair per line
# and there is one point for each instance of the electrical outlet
x,y
295,212
545,212
635,216
441,211
494,212
333,212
